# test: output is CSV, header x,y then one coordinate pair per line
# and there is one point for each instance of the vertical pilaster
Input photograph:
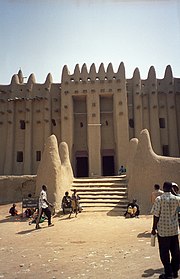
x,y
171,112
28,139
47,117
121,118
137,100
154,112
67,120
8,165
94,134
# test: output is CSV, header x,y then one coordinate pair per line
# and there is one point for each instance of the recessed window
x,y
166,150
19,156
22,124
38,155
53,122
131,123
107,123
81,124
162,123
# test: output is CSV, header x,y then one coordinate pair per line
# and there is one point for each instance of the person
x,y
132,209
75,203
13,211
157,192
175,189
44,207
29,212
35,216
165,224
66,202
122,170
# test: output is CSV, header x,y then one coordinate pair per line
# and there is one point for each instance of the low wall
x,y
14,188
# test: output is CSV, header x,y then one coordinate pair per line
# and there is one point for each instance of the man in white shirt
x,y
44,207
165,223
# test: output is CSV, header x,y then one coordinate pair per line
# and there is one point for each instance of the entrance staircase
x,y
102,194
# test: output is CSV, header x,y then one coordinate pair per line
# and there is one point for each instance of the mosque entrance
x,y
108,165
82,169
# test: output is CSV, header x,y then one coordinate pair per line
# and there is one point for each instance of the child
x,y
13,211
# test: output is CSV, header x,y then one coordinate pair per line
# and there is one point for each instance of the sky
x,y
41,36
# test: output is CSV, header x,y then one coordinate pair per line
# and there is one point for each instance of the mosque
x,y
96,112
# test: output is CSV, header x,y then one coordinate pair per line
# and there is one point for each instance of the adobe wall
x,y
146,168
14,188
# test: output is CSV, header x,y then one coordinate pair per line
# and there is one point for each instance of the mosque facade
x,y
95,112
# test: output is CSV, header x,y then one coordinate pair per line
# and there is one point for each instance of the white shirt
x,y
166,208
42,197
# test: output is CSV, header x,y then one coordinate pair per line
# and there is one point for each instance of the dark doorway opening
x,y
82,169
108,165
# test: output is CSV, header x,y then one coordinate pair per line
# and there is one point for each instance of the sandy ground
x,y
93,245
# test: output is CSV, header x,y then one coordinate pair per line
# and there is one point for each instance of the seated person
x,y
132,209
13,211
29,212
35,216
66,202
122,170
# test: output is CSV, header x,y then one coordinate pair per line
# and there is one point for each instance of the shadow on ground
x,y
17,218
115,212
145,234
151,272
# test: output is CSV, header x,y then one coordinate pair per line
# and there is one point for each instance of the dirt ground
x,y
93,245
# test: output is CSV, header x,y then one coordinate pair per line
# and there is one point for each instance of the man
x,y
165,223
43,207
157,192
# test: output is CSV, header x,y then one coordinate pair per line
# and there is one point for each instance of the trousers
x,y
169,253
47,213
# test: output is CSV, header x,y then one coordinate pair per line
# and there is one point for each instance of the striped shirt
x,y
166,208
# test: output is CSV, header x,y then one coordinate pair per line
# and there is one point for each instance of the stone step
x,y
101,190
98,185
102,194
103,197
101,179
93,194
100,201
107,205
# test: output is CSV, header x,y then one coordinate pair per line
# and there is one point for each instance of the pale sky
x,y
41,36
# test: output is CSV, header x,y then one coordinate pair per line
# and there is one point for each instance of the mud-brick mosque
x,y
84,128
96,112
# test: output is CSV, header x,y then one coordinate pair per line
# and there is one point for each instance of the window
x,y
19,156
81,124
165,150
38,155
22,124
131,123
53,122
162,123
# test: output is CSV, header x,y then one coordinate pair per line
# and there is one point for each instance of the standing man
x,y
157,192
165,223
43,207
